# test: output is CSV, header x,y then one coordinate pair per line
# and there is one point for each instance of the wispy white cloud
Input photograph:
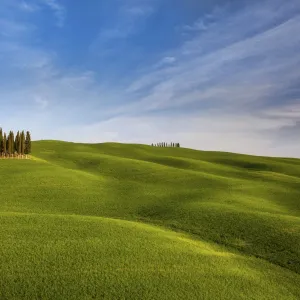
x,y
58,10
138,10
42,102
197,26
9,28
167,60
28,7
128,21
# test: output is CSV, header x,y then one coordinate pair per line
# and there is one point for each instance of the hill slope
x,y
229,209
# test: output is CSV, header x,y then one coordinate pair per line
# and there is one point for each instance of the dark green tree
x,y
7,138
10,144
12,137
19,145
17,139
22,142
27,143
1,141
4,144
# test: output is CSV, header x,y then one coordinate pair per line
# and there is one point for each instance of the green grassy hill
x,y
119,221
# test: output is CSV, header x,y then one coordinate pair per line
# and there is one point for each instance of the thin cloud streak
x,y
58,10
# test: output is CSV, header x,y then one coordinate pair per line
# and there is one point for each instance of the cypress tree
x,y
9,144
22,141
17,142
27,143
19,145
1,141
4,144
12,149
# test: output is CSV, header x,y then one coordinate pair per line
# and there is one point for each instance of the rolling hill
x,y
121,221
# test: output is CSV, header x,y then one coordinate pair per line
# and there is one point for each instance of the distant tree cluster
x,y
164,145
12,145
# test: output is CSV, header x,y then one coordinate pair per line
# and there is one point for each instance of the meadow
x,y
121,221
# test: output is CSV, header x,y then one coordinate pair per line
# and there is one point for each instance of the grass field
x,y
119,221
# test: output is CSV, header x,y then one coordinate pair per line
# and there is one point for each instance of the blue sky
x,y
214,75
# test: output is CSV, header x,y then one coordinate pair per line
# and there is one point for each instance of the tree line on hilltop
x,y
163,144
12,145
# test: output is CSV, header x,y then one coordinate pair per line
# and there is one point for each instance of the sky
x,y
220,75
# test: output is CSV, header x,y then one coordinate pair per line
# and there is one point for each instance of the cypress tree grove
x,y
27,143
22,141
